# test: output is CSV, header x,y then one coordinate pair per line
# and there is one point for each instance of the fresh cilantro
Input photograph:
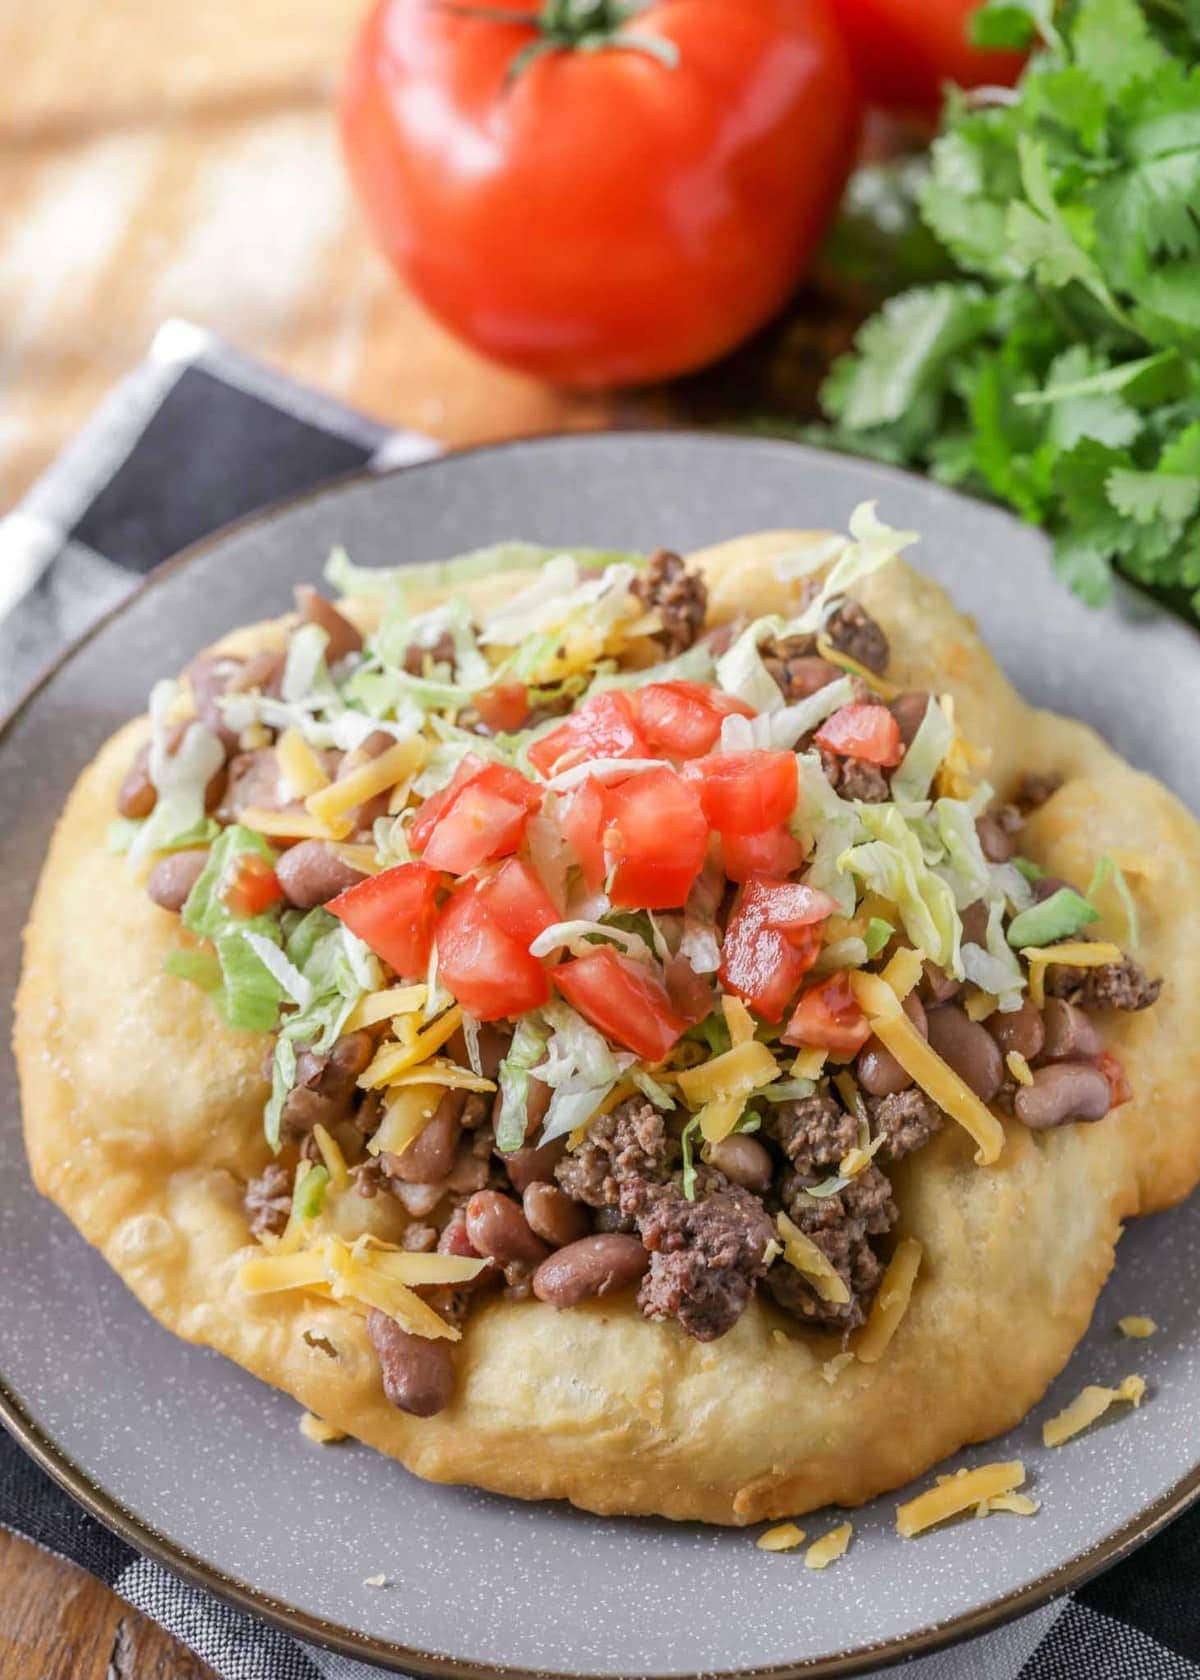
x,y
1056,367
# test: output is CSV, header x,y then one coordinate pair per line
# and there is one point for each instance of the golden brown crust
x,y
142,1120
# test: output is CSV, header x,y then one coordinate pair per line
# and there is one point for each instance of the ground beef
x,y
1116,985
813,1132
862,1272
855,778
680,596
368,1176
907,1120
840,1226
268,1200
630,1143
326,1085
997,830
705,1257
852,631
1033,790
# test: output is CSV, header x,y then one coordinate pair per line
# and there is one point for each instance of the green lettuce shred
x,y
1058,917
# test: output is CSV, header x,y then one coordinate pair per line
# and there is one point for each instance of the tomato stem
x,y
572,26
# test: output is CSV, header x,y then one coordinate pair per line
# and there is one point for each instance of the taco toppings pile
x,y
616,948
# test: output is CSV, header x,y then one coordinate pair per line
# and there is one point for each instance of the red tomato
x,y
480,814
603,728
904,50
828,1018
488,971
517,901
863,730
683,719
655,833
773,939
250,885
582,823
743,793
624,999
773,852
586,249
394,914
1113,1069
503,708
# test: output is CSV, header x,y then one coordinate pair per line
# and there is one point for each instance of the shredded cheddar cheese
x,y
980,1005
802,1253
440,1072
316,1429
405,1117
918,1059
1019,1067
955,1494
808,1063
902,972
1087,1407
332,1156
829,1547
1137,1327
391,1059
299,765
723,1084
891,1301
380,1006
1075,953
834,656
292,825
784,1537
361,857
377,775
1019,1504
832,1369
363,1277
737,1019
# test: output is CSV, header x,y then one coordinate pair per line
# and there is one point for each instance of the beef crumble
x,y
632,1142
852,631
1116,985
814,1132
907,1120
705,1257
268,1200
680,595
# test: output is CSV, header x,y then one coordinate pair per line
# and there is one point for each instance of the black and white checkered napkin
x,y
198,436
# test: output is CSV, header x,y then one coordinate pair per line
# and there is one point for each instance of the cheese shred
x,y
891,1301
316,1429
802,1253
784,1537
955,1494
1087,1407
1078,953
829,1547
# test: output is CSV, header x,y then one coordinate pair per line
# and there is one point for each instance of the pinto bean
x,y
174,876
997,838
454,1240
975,923
210,676
315,609
1020,1030
312,873
936,985
497,1227
553,1216
137,795
1070,1033
807,674
534,1164
969,1049
909,710
418,1374
596,1265
430,1157
877,1070
1061,1092
744,1160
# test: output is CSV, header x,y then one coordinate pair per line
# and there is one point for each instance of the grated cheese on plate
x,y
1137,1327
829,1547
316,1429
954,1494
784,1537
1087,1407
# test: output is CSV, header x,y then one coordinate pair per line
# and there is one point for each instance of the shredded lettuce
x,y
250,993
928,748
877,935
827,826
891,863
304,669
602,770
201,968
309,1196
1027,868
652,1090
577,936
686,1142
526,1050
699,944
180,779
695,664
841,953
470,1032
558,596
965,869
874,545
488,562
283,1077
1109,870
781,730
286,976
788,1090
1058,917
742,673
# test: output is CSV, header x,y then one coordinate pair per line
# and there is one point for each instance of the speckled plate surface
x,y
199,1464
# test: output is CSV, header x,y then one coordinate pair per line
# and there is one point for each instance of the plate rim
x,y
388,1654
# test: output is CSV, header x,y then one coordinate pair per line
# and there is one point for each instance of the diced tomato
x,y
773,939
683,719
517,901
691,994
503,708
624,999
863,730
655,832
489,972
582,823
394,914
744,793
828,1017
605,727
773,852
1119,1089
480,814
250,885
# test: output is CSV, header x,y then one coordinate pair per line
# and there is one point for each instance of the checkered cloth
x,y
196,437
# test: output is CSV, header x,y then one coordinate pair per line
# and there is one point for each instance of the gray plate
x,y
199,1464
